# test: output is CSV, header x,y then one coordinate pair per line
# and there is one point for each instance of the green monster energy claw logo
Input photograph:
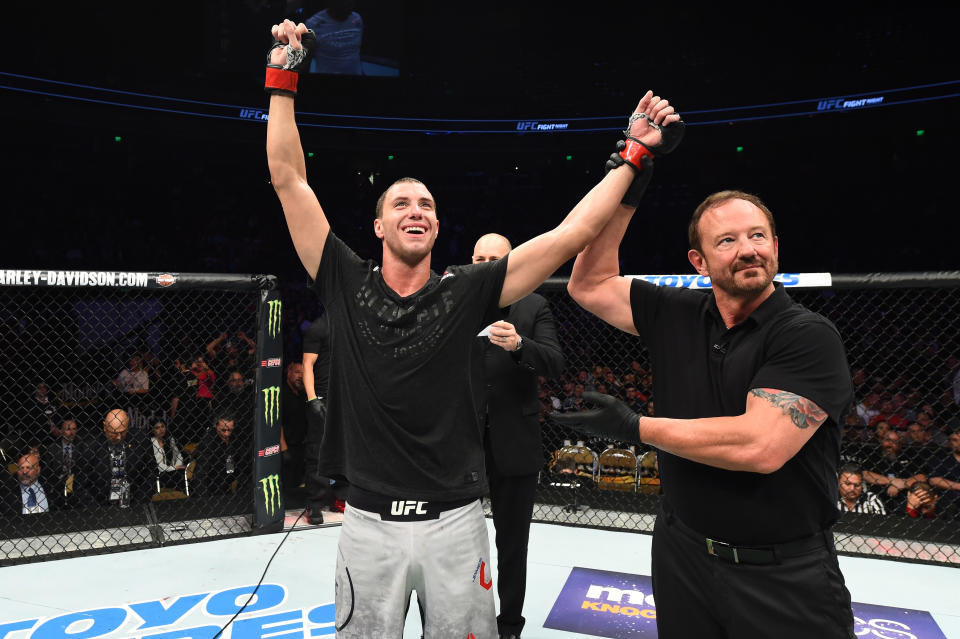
x,y
271,405
270,485
273,317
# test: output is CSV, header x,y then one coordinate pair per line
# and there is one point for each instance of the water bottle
x,y
124,494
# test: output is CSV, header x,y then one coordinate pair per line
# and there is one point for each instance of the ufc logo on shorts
x,y
406,507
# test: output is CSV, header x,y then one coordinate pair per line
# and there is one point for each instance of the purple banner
x,y
619,605
605,604
870,620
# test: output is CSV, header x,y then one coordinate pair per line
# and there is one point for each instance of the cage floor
x,y
190,591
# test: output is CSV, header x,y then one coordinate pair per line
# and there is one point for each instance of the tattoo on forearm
x,y
801,411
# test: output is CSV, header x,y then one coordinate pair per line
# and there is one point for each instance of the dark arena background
x,y
139,222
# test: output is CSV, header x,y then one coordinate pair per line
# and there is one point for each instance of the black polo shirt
x,y
702,369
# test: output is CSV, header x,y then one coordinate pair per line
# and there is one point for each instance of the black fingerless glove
x,y
317,407
641,176
612,419
284,78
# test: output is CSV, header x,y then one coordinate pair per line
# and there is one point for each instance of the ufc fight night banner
x,y
268,499
602,603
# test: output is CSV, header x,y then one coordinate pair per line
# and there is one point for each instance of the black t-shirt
x,y
903,465
401,418
317,340
702,369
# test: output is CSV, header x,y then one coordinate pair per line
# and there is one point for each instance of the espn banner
x,y
268,498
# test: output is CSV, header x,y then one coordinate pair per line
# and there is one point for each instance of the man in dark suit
x,y
114,469
516,351
25,494
60,455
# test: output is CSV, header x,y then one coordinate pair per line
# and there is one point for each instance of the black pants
x,y
511,499
320,490
699,595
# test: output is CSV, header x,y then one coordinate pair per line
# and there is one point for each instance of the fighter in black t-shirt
x,y
751,389
402,425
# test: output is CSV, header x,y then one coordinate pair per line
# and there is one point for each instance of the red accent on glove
x,y
281,80
633,153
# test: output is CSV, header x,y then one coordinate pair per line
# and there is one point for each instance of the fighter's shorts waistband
x,y
399,508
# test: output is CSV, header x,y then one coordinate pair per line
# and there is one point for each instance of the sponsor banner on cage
x,y
268,495
19,277
603,603
186,616
692,280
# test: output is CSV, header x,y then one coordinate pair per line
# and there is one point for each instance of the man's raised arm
x,y
534,261
305,218
595,282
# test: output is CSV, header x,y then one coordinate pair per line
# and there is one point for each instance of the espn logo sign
x,y
273,362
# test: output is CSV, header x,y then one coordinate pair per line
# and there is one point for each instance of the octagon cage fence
x,y
194,351
138,410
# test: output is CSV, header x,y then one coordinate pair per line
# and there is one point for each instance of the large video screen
x,y
354,37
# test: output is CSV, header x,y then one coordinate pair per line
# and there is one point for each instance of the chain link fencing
x,y
129,410
901,336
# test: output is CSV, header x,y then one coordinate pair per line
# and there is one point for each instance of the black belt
x,y
755,555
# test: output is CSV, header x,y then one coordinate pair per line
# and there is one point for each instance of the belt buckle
x,y
719,544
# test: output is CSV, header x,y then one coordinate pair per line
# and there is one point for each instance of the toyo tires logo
x,y
270,486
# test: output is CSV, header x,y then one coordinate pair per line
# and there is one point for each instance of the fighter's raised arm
x,y
595,282
535,260
308,225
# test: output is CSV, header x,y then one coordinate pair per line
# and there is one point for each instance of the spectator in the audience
x,y
583,378
293,426
42,418
855,441
191,403
167,455
922,501
237,400
567,390
25,494
613,384
891,411
868,407
231,352
115,469
852,497
61,454
880,430
575,401
632,399
223,459
945,472
920,444
133,381
889,467
854,429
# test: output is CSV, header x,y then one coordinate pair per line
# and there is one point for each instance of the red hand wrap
x,y
281,79
633,153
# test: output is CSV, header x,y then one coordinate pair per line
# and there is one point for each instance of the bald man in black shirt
x,y
750,390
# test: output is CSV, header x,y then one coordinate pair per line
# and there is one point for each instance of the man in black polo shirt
x,y
750,390
401,424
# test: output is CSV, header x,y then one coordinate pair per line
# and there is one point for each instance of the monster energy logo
x,y
271,493
271,405
273,317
